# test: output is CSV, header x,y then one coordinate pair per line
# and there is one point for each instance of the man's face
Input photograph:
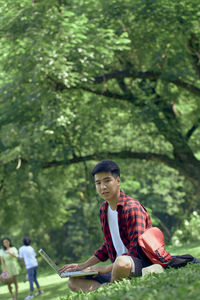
x,y
107,186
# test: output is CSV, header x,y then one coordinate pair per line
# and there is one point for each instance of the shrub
x,y
189,232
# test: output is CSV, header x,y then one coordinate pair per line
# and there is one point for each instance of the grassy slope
x,y
173,284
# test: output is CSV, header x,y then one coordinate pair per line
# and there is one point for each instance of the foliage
x,y
86,80
189,232
173,284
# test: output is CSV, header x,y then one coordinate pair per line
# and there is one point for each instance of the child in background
x,y
27,253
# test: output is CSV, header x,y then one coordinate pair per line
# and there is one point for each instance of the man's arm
x,y
23,261
136,224
100,269
93,260
102,253
21,256
90,265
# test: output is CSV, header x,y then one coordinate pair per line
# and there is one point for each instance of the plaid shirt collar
x,y
120,203
121,200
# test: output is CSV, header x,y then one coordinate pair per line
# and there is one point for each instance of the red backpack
x,y
152,244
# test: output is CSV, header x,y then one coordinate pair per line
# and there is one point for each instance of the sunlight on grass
x,y
54,287
193,249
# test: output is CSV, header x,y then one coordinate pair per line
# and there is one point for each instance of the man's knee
x,y
72,284
123,262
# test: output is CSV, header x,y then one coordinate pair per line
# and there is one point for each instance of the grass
x,y
173,284
54,287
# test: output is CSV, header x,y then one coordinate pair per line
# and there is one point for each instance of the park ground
x,y
173,284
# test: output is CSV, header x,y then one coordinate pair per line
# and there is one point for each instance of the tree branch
x,y
1,184
127,74
187,86
123,154
192,129
150,156
60,86
193,46
147,75
127,97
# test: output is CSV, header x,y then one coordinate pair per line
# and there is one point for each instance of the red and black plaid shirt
x,y
133,219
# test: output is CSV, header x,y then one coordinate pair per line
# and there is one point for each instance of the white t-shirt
x,y
114,231
29,256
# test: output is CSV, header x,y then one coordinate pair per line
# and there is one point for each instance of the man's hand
x,y
81,267
71,268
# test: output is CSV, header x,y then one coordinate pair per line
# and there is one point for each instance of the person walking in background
x,y
28,255
9,264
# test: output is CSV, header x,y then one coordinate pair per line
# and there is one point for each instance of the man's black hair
x,y
26,241
106,166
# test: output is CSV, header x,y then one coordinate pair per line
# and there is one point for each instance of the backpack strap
x,y
179,261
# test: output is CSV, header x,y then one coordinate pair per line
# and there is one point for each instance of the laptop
x,y
63,274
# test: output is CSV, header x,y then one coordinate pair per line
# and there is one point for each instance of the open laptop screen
x,y
64,274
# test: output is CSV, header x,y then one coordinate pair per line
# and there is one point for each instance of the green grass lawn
x,y
54,287
173,284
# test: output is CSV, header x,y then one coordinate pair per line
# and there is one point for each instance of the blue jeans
x,y
32,277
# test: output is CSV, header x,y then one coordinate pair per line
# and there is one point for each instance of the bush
x,y
189,231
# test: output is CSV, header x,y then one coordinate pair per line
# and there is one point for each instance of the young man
x,y
122,220
28,256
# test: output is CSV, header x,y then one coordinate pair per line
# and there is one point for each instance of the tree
x,y
86,80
